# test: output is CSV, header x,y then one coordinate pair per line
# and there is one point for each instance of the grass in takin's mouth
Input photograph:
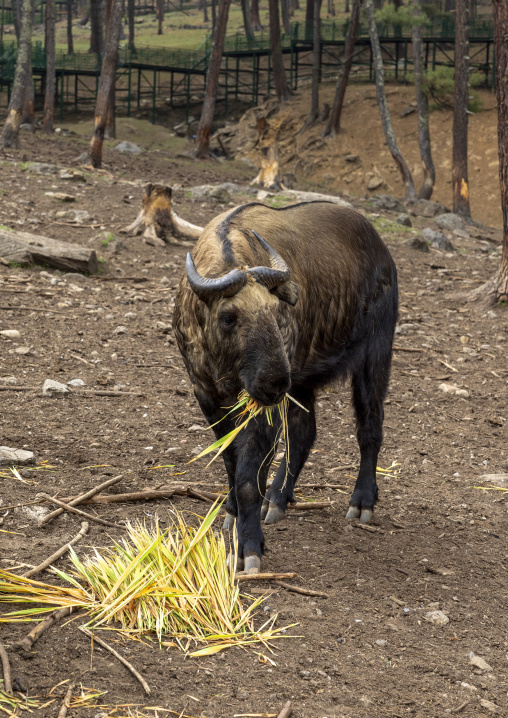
x,y
248,409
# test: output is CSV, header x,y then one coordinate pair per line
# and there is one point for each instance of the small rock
x,y
488,705
386,201
75,277
22,350
10,334
437,239
500,480
381,642
120,330
5,380
453,389
374,183
352,158
196,427
62,196
128,148
41,168
72,175
27,127
407,111
479,662
131,315
461,233
80,216
10,456
449,221
207,192
76,382
417,243
405,329
53,388
425,208
404,219
438,618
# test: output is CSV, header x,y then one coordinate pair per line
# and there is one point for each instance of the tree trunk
x,y
333,125
212,82
460,186
279,75
331,9
160,15
96,39
16,17
316,53
205,11
28,248
28,114
500,8
284,9
110,126
49,91
106,80
70,39
130,15
10,132
214,16
256,20
247,20
383,105
429,173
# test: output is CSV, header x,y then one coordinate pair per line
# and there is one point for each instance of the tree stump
x,y
268,176
157,221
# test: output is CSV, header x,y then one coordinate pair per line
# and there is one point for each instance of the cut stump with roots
x,y
158,222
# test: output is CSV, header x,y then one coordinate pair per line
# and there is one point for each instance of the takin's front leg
x,y
301,437
255,450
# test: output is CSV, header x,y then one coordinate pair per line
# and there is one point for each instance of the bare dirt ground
x,y
437,542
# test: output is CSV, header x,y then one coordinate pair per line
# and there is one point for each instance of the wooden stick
x,y
83,497
37,309
57,554
135,496
15,387
263,576
125,662
74,510
398,348
66,701
36,632
104,392
303,591
286,712
6,670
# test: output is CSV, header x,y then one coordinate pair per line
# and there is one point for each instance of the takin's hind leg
x,y
370,383
301,436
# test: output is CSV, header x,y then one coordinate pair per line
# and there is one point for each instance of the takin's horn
x,y
277,273
206,288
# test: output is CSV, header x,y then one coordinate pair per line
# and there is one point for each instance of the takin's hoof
x,y
274,514
239,562
252,564
229,522
365,515
264,509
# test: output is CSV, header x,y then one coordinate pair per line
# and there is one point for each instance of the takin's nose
x,y
270,391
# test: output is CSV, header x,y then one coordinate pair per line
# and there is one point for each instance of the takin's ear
x,y
287,292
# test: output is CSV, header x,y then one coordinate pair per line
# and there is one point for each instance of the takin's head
x,y
247,325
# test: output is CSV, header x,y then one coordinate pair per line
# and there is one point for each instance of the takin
x,y
287,300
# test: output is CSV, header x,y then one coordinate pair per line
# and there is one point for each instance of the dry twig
x,y
82,498
66,701
57,554
125,662
6,670
74,510
36,632
286,712
303,591
264,576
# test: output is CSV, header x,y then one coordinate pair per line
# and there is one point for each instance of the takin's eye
x,y
227,320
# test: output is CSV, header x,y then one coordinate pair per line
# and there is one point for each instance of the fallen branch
x,y
303,591
6,670
315,197
158,221
286,712
125,662
34,248
36,309
73,510
134,496
398,348
104,392
61,551
263,576
14,387
36,632
66,701
82,498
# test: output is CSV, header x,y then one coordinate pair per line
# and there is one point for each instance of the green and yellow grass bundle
x,y
176,583
248,409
